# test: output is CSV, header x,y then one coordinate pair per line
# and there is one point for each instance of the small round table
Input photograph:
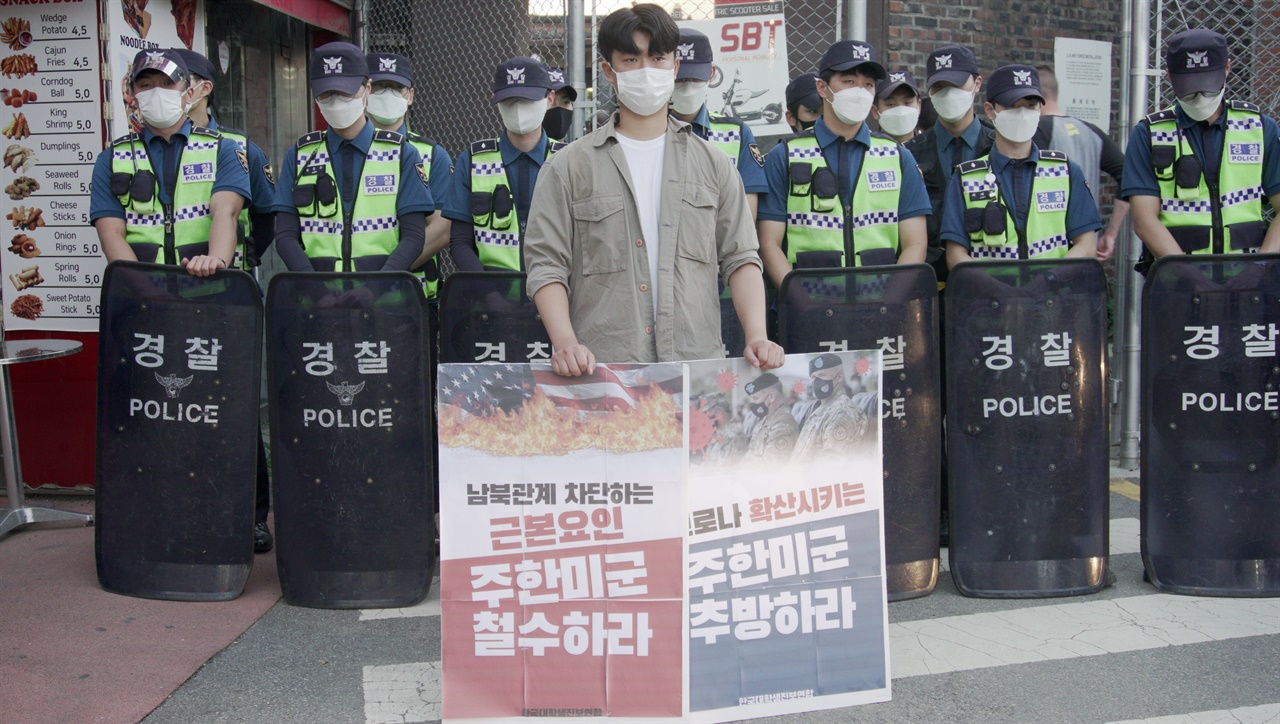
x,y
18,513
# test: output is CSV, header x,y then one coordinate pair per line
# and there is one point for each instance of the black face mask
x,y
804,125
557,122
759,409
822,389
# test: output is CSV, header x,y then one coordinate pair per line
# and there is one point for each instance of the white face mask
x,y
645,91
1018,124
341,111
387,106
899,120
160,107
1198,107
689,96
521,115
853,104
952,103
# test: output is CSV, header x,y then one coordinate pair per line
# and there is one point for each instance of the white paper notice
x,y
1083,68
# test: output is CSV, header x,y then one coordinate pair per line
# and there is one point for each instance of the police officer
x,y
257,220
559,119
493,180
804,105
256,229
897,107
181,208
952,80
840,195
731,135
834,423
774,435
351,198
392,95
1195,173
1018,202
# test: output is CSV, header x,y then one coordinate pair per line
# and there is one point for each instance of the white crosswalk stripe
x,y
1265,714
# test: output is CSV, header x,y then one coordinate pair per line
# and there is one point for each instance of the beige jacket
x,y
584,232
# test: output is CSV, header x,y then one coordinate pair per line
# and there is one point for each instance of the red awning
x,y
332,15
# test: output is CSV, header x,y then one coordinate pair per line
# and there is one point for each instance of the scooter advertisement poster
x,y
751,73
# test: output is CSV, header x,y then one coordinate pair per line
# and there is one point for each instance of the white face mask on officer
x,y
1018,124
689,96
521,115
387,105
161,107
899,120
852,105
341,111
952,103
645,91
1199,106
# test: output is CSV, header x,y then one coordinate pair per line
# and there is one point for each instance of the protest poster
x,y
657,542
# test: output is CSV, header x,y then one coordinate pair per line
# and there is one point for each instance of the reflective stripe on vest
x,y
725,136
1239,194
817,224
430,287
497,237
186,221
374,223
1046,230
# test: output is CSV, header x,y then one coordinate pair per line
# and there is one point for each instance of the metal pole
x,y
359,24
1130,450
856,20
575,36
1120,331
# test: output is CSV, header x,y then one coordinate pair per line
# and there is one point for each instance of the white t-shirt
x,y
644,160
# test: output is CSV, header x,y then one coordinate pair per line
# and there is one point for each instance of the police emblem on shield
x,y
422,173
244,159
271,177
755,153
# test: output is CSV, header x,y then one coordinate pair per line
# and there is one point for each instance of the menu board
x,y
51,119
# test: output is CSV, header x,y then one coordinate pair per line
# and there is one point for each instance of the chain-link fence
x,y
455,48
1252,28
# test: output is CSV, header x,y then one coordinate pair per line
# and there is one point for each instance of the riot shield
x,y
893,309
179,369
1211,425
347,363
1027,428
487,317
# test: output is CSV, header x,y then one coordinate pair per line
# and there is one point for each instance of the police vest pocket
x,y
304,198
1191,238
877,257
1247,234
603,229
121,183
973,220
481,205
825,185
1162,157
801,175
819,259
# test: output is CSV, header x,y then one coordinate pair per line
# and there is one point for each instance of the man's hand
x,y
1106,244
573,361
764,354
204,265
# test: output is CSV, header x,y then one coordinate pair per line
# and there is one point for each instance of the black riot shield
x,y
179,369
1211,425
893,309
487,317
1027,428
347,363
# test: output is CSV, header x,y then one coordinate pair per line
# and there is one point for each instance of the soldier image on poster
x,y
728,443
835,422
774,434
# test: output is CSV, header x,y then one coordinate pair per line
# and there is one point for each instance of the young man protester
x,y
840,195
689,104
351,198
631,225
897,107
1019,202
493,181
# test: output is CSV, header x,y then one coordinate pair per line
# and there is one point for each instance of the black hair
x,y
619,27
